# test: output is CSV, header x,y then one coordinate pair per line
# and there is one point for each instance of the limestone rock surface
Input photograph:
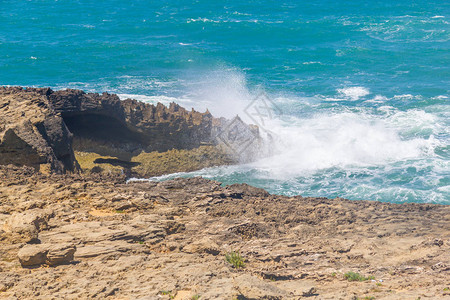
x,y
171,242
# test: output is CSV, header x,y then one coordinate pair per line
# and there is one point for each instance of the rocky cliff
x,y
42,128
32,133
131,125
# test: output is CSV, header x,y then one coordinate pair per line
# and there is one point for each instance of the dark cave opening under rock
x,y
101,128
104,135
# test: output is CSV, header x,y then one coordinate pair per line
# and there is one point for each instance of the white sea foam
x,y
204,20
148,99
354,92
323,140
404,96
377,99
408,29
387,110
380,98
166,100
346,151
398,194
241,14
445,189
415,122
339,140
127,82
89,26
312,63
319,142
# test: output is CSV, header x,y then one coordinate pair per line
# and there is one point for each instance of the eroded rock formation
x,y
131,125
32,133
42,128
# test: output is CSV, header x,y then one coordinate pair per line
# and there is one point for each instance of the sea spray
x,y
355,150
363,88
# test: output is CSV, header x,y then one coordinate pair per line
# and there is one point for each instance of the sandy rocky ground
x,y
89,236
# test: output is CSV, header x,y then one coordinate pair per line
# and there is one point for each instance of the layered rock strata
x,y
32,133
60,130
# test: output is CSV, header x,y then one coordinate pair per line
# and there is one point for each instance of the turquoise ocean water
x,y
362,87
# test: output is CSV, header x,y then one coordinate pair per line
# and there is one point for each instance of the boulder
x,y
60,254
24,227
32,255
251,287
53,255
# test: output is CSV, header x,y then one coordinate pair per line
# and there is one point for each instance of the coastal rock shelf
x,y
94,236
68,129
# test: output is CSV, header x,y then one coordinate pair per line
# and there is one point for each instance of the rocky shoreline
x,y
68,130
73,227
88,236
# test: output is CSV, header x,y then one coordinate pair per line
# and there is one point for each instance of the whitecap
x,y
380,98
312,62
204,20
387,110
404,96
415,122
241,14
354,92
377,99
445,189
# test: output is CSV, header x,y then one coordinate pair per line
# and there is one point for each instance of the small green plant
x,y
446,289
352,276
235,259
119,211
369,298
379,284
165,292
333,274
195,297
